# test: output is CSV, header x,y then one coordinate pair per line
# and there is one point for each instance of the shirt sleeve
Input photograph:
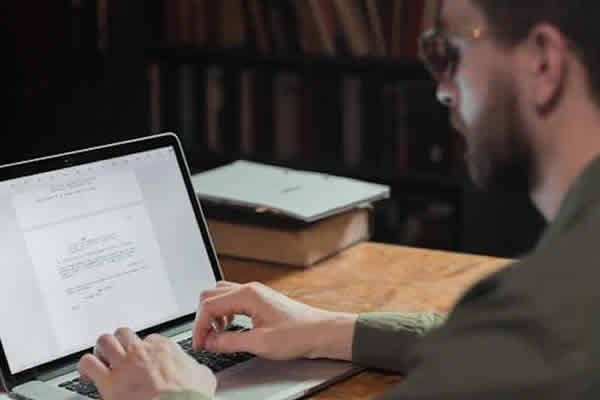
x,y
182,396
381,340
498,343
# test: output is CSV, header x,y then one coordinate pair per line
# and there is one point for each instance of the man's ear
x,y
548,49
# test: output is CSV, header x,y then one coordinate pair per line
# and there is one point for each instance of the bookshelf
x,y
89,74
406,68
342,104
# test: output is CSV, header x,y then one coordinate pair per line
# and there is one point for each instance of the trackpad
x,y
271,380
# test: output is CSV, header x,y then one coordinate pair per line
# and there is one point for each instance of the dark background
x,y
67,94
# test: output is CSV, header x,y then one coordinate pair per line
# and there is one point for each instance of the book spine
x,y
372,120
263,112
286,110
397,27
401,127
155,96
327,116
170,100
413,18
231,113
354,26
378,41
214,107
103,27
247,135
187,114
200,108
325,25
256,12
351,120
199,22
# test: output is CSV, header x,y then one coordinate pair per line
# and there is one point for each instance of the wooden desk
x,y
372,277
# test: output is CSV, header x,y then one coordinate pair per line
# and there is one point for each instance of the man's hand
x,y
127,368
283,328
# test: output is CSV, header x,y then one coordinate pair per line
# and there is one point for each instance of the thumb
x,y
91,367
251,341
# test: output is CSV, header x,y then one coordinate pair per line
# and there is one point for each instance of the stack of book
x,y
285,216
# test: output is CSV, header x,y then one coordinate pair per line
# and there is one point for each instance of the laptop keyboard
x,y
215,361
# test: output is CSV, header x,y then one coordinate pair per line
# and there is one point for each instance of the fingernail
x,y
210,342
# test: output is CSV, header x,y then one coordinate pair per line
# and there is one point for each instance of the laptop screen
x,y
97,246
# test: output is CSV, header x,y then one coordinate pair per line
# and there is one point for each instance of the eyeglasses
x,y
439,55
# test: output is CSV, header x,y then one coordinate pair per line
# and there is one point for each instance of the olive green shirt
x,y
530,331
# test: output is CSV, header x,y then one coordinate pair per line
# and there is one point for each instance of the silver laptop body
x,y
106,237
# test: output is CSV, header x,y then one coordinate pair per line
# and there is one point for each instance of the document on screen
x,y
96,256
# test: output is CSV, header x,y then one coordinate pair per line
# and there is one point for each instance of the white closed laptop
x,y
108,237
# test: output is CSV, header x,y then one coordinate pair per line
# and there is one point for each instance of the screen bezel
x,y
95,154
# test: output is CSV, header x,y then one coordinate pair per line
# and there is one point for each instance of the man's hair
x,y
578,20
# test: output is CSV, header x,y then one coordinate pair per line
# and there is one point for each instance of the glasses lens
x,y
437,53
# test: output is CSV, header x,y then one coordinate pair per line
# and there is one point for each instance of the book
x,y
262,108
247,123
310,144
279,36
214,107
103,29
372,121
230,114
328,12
233,24
377,38
386,9
401,126
411,28
291,194
352,20
180,26
286,115
323,18
397,27
154,95
351,121
312,40
187,116
327,116
199,21
256,12
295,246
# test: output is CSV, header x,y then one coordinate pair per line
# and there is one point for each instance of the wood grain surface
x,y
372,277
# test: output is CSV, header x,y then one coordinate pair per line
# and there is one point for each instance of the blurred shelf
x,y
398,68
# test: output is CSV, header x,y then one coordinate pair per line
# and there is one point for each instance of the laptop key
x,y
216,361
82,387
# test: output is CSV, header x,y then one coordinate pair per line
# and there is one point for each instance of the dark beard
x,y
501,156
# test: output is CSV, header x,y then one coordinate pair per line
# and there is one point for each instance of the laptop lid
x,y
93,240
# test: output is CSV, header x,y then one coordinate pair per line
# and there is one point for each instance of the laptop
x,y
114,236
